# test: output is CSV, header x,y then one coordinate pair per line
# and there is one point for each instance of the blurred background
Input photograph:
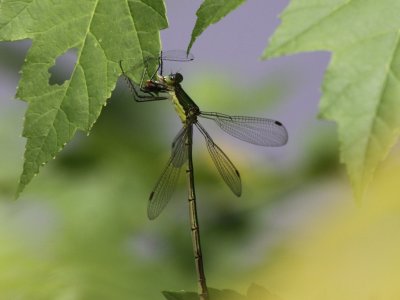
x,y
80,230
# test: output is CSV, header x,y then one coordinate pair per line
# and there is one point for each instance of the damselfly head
x,y
177,77
173,78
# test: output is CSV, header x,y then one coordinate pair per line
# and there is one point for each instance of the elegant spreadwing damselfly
x,y
254,130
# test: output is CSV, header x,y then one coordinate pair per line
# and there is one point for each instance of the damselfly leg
x,y
147,90
151,88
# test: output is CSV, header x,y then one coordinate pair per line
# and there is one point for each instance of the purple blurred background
x,y
235,45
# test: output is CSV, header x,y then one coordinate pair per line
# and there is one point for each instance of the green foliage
x,y
210,12
96,220
361,90
103,32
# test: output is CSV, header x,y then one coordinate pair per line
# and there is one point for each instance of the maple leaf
x,y
361,89
103,32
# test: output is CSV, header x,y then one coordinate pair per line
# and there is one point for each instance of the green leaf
x,y
103,32
210,12
213,293
255,292
361,89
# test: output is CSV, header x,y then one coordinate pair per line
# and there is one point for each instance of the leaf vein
x,y
378,106
17,15
312,25
140,2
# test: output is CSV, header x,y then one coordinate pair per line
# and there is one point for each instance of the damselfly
x,y
254,130
258,131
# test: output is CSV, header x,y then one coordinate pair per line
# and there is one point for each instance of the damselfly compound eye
x,y
178,77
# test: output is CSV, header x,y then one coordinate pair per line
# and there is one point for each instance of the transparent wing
x,y
147,67
176,55
165,185
258,131
182,134
224,166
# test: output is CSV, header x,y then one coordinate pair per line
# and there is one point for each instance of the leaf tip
x,y
270,52
20,189
192,39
